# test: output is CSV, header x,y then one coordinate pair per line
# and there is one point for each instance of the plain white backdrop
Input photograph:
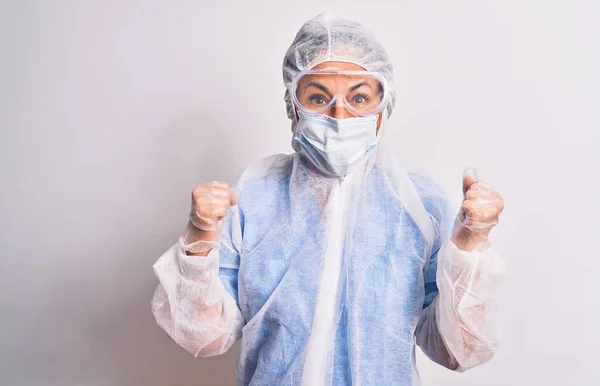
x,y
112,111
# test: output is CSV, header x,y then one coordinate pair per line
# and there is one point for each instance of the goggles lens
x,y
361,92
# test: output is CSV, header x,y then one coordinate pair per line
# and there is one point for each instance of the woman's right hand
x,y
210,202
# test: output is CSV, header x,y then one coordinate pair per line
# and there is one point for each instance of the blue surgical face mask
x,y
335,146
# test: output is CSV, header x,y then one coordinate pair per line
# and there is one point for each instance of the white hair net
x,y
326,38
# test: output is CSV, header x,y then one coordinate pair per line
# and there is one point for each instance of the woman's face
x,y
318,89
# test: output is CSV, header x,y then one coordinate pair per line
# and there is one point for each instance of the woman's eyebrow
x,y
357,86
319,86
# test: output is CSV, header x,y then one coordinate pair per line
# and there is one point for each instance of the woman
x,y
334,260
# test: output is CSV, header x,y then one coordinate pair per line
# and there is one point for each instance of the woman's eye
x,y
317,99
360,98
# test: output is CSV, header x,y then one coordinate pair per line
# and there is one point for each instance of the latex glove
x,y
479,213
210,202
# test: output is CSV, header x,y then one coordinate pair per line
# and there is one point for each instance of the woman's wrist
x,y
198,242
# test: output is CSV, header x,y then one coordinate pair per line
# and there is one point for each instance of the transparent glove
x,y
479,213
210,202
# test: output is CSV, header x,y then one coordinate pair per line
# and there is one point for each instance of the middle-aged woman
x,y
335,259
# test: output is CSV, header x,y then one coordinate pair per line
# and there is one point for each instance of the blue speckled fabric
x,y
287,219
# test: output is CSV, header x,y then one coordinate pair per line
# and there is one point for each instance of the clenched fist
x,y
479,213
210,202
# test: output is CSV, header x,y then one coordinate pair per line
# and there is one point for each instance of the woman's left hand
x,y
479,213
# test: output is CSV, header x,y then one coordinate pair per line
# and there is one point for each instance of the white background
x,y
112,111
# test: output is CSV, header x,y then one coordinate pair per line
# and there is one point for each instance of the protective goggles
x,y
363,93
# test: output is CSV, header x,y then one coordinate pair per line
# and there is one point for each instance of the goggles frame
x,y
298,106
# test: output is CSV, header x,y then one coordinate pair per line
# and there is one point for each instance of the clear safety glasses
x,y
363,93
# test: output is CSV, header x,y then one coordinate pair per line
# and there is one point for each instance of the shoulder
x,y
432,194
426,184
265,180
273,166
421,179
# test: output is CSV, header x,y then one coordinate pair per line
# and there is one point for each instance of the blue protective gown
x,y
326,281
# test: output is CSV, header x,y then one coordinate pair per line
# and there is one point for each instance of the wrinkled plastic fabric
x,y
192,305
330,281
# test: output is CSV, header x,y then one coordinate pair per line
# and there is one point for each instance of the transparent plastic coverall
x,y
331,281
